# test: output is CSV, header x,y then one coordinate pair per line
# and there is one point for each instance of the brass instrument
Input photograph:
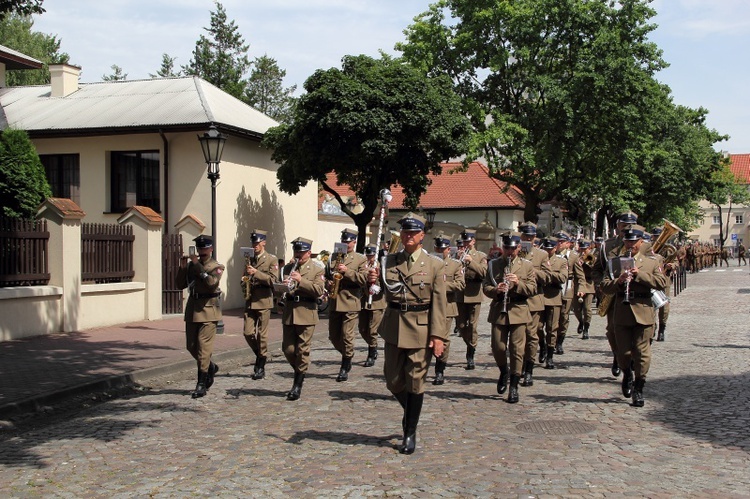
x,y
589,259
662,246
336,276
395,243
247,281
287,283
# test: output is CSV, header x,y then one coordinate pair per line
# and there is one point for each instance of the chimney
x,y
64,79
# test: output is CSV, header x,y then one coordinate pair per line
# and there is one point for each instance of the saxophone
x,y
247,281
335,275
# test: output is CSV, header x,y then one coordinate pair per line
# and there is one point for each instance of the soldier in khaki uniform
x,y
583,287
634,313
201,274
741,254
344,305
261,272
557,275
413,326
373,305
454,283
469,300
305,282
565,250
535,330
509,282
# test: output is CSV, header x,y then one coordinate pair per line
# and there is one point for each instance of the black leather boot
x,y
580,327
470,350
542,353
615,367
212,370
296,390
513,392
200,388
627,383
439,373
346,366
638,392
260,368
585,331
550,364
528,378
411,417
662,330
502,382
559,344
372,355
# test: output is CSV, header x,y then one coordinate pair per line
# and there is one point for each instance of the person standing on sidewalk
x,y
509,282
454,282
741,254
413,326
201,274
469,300
261,272
304,279
373,305
349,275
634,312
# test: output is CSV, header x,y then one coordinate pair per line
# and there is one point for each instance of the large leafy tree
x,y
16,32
376,123
23,182
265,89
221,57
722,189
557,89
21,7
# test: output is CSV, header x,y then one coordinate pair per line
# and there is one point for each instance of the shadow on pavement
x,y
344,438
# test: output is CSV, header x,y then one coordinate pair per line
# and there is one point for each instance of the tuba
x,y
662,246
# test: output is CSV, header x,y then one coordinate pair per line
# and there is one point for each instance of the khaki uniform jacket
x,y
538,257
572,259
261,291
454,283
474,274
301,308
640,310
202,281
583,278
517,306
412,329
556,277
351,286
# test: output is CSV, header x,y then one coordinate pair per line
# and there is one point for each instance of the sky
x,y
706,42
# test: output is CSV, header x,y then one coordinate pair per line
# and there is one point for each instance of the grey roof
x,y
188,103
16,60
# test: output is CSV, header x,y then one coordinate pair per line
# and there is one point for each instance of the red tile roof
x,y
473,188
740,166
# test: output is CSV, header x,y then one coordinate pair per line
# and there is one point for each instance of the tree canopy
x,y
265,91
376,123
724,188
16,32
561,94
20,7
116,74
23,182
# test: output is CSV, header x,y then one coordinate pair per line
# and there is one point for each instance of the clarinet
x,y
627,284
506,271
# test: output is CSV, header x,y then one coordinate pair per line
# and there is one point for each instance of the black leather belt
x,y
409,307
635,295
476,279
514,299
201,296
302,298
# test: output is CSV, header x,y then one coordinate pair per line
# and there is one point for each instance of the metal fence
x,y
106,253
24,252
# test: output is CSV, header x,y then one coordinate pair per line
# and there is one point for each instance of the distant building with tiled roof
x,y
739,218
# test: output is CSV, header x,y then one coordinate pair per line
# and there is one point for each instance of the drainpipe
x,y
166,181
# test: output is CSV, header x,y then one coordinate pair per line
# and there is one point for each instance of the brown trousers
x,y
341,327
199,339
256,330
509,339
296,343
405,368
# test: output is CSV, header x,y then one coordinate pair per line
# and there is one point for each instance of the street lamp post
x,y
212,144
430,219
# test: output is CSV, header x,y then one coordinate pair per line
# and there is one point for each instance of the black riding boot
x,y
580,327
550,355
502,382
439,373
411,418
638,392
542,353
372,355
615,367
296,391
559,344
662,330
260,368
212,370
346,366
528,379
470,357
513,392
200,388
585,331
627,383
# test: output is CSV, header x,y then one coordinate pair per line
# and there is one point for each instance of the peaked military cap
x,y
468,234
348,235
549,243
258,235
441,241
371,249
527,228
511,239
203,241
627,218
301,244
633,233
412,221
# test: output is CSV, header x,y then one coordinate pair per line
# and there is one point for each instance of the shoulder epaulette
x,y
318,263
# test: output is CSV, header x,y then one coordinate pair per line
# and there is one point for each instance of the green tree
x,y
555,88
265,91
376,123
722,189
21,7
116,75
23,182
16,32
221,58
167,68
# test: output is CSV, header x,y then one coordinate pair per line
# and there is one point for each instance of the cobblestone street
x,y
571,435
